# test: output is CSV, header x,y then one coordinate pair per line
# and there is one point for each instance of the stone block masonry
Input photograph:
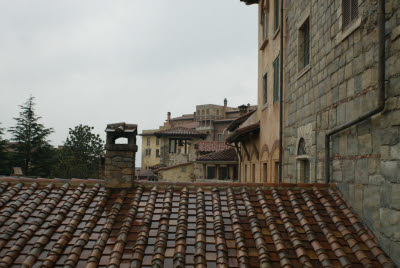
x,y
120,158
340,85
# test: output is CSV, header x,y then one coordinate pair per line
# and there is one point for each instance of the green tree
x,y
32,150
5,167
80,154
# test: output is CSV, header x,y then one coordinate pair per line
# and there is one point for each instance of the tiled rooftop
x,y
211,146
238,121
224,155
243,131
224,225
181,131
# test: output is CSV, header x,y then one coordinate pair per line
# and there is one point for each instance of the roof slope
x,y
242,132
181,131
240,120
211,146
224,155
231,224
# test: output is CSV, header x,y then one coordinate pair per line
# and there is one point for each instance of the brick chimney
x,y
168,117
225,107
242,109
120,158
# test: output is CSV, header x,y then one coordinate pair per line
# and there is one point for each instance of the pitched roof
x,y
242,132
238,121
174,166
181,131
224,155
211,146
204,224
183,117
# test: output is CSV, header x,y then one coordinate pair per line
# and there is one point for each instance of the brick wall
x,y
339,85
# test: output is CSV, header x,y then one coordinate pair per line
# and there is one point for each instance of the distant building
x,y
150,149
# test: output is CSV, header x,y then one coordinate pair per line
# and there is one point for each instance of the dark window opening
x,y
276,79
157,152
210,173
265,165
265,25
349,12
302,147
276,8
304,45
223,173
178,146
265,87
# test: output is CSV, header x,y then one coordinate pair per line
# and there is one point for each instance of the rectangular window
x,y
276,79
148,152
245,172
304,45
219,137
158,141
253,173
210,172
148,140
265,167
276,15
172,146
157,152
265,88
349,12
178,146
276,172
223,173
265,25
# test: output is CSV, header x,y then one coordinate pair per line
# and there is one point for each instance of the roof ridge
x,y
241,246
116,253
42,241
6,213
219,229
162,233
10,194
330,237
181,229
361,232
13,227
141,240
347,235
23,239
98,248
200,244
76,251
290,228
72,225
263,252
273,229
311,237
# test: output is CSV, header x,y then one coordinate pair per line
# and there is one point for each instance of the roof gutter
x,y
381,90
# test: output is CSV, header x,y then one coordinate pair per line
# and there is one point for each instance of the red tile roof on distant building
x,y
224,155
183,117
181,131
181,225
211,146
242,132
240,120
174,166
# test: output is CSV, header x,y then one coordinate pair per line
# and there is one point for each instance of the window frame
x,y
353,4
148,141
276,15
265,88
276,80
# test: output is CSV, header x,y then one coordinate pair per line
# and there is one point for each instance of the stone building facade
x,y
150,149
336,84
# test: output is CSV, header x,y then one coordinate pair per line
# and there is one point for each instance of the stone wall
x,y
119,169
339,85
181,173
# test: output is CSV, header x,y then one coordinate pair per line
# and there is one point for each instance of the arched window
x,y
303,163
302,147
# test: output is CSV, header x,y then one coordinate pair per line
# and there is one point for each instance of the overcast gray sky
x,y
98,62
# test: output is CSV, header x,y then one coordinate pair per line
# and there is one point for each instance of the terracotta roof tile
x,y
222,225
240,120
242,132
224,155
211,146
181,132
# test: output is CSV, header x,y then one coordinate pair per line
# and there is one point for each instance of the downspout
x,y
280,177
381,89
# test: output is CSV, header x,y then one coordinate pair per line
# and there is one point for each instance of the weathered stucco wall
x,y
183,173
340,85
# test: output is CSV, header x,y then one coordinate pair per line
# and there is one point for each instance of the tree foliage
x,y
4,155
80,154
32,150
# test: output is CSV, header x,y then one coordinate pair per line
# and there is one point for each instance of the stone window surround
x,y
264,8
355,24
265,105
304,16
